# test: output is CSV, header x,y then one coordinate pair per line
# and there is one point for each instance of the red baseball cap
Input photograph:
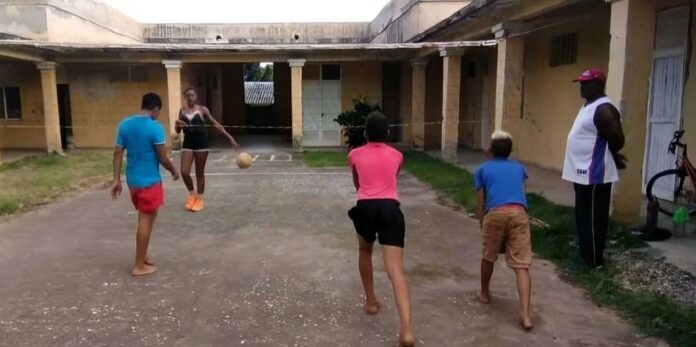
x,y
591,75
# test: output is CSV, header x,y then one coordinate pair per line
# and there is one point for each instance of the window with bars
x,y
564,50
10,103
127,73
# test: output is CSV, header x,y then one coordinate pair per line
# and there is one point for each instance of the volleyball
x,y
244,160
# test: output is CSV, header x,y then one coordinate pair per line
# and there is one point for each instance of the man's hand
x,y
620,161
116,189
175,175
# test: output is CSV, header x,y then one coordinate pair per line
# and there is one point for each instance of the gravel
x,y
639,272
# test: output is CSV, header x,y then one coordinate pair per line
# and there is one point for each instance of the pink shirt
x,y
377,165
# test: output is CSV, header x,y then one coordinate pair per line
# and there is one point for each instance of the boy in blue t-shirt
x,y
143,140
502,211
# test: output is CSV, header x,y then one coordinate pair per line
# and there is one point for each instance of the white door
x,y
321,104
666,94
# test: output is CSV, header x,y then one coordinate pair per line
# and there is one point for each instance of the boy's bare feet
x,y
143,270
406,340
372,309
485,297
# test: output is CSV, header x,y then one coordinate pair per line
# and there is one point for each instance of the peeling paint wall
x,y
401,20
27,22
74,21
274,33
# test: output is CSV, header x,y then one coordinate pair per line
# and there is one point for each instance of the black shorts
x,y
195,142
379,219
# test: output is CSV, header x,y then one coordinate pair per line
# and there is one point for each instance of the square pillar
x,y
509,77
418,103
174,93
296,101
451,83
49,91
630,64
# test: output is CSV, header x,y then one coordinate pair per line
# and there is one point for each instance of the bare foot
x,y
143,270
372,309
148,262
406,340
526,323
485,297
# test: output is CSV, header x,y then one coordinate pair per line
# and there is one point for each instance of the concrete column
x,y
630,62
49,91
418,103
174,93
509,77
296,97
451,80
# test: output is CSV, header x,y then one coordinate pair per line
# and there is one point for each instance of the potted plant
x,y
352,121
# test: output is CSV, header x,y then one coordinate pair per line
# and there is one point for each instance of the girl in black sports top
x,y
194,120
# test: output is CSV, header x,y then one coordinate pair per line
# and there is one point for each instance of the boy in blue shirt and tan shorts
x,y
502,210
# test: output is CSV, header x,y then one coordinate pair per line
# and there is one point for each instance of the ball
x,y
244,160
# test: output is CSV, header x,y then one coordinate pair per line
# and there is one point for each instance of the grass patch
x,y
653,314
37,180
326,159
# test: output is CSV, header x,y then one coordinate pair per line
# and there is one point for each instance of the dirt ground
x,y
272,261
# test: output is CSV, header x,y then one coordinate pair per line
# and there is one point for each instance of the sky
x,y
248,11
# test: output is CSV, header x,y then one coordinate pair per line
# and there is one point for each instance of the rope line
x,y
400,125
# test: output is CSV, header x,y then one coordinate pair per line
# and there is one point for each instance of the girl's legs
x,y
186,162
200,158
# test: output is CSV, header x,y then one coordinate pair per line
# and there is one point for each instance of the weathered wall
x,y
68,21
98,105
27,132
258,33
400,20
24,21
551,100
361,79
433,104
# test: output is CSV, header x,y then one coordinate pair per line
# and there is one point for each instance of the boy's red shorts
x,y
148,200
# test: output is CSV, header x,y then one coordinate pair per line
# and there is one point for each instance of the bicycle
x,y
683,197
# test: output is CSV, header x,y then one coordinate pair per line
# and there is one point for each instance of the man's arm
x,y
608,122
164,160
221,129
480,208
117,162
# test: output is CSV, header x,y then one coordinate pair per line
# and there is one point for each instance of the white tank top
x,y
588,160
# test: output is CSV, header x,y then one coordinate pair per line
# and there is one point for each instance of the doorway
x,y
666,93
65,117
321,100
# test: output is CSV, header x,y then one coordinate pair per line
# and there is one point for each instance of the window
x,y
564,50
331,72
10,103
127,73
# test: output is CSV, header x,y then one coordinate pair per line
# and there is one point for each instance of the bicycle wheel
x,y
673,181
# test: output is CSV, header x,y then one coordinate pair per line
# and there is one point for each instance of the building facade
x,y
450,72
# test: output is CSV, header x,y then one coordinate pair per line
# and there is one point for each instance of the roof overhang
x,y
63,52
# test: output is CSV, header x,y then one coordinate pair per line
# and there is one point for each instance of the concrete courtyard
x,y
272,261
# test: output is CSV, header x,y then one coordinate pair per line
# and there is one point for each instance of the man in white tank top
x,y
592,161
